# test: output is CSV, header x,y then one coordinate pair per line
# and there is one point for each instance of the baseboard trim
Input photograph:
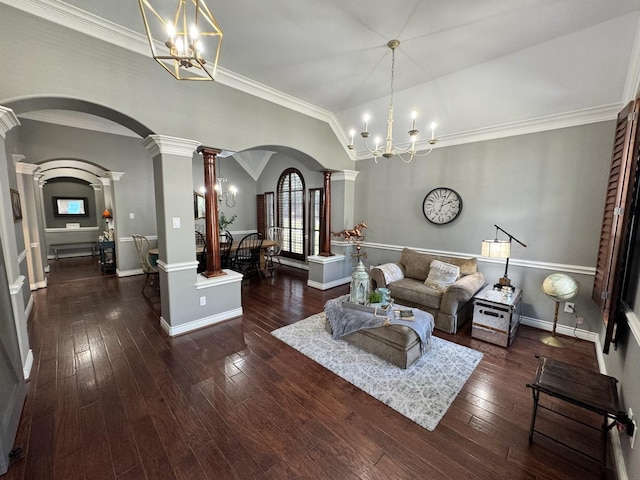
x,y
38,285
561,329
129,273
27,310
200,323
28,365
327,286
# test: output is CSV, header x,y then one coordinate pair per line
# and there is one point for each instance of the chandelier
x,y
390,149
228,195
181,40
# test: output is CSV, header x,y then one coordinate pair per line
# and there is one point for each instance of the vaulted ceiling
x,y
471,66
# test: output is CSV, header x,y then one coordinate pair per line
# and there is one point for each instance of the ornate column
x,y
214,265
325,228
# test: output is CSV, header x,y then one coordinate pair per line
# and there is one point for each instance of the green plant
x,y
224,221
375,297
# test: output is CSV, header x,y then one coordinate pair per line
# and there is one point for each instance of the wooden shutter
x,y
617,213
261,220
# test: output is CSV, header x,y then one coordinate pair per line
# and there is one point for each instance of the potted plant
x,y
375,298
224,221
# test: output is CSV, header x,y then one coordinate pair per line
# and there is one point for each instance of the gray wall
x,y
68,187
546,189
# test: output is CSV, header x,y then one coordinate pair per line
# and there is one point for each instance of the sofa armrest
x,y
386,273
461,292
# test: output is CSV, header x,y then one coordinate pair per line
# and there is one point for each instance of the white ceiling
x,y
470,65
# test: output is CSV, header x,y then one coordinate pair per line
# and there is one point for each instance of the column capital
x,y
8,120
115,176
26,168
17,157
163,144
344,175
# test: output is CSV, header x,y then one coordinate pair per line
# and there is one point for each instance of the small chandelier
x,y
229,195
179,41
391,150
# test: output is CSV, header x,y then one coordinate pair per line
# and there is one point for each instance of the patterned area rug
x,y
422,393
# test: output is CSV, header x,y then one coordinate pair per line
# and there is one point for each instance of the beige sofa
x,y
406,281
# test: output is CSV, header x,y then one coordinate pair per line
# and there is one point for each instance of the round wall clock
x,y
442,205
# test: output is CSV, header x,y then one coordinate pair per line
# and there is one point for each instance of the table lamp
x,y
500,249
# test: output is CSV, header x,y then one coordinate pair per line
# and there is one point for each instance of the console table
x,y
585,388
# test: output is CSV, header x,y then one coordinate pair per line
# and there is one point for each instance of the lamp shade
x,y
496,248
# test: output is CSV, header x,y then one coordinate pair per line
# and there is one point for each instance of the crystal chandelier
x,y
391,150
188,34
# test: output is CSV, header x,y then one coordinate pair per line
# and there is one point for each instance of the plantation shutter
x,y
615,220
261,217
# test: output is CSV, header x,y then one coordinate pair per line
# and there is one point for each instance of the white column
x,y
8,120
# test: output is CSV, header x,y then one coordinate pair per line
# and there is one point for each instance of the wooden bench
x,y
75,246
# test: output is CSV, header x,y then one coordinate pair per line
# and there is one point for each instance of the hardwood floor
x,y
111,396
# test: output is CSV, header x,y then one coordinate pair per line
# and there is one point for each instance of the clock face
x,y
442,205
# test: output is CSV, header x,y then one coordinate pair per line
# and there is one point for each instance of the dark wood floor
x,y
111,396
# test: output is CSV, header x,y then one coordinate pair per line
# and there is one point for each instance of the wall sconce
x,y
500,249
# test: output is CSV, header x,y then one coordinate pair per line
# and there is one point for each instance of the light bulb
x,y
171,31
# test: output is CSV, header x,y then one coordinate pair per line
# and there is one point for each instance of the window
x,y
315,219
291,213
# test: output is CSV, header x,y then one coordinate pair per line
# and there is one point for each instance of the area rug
x,y
422,393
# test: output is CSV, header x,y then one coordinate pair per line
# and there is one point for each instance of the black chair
x,y
226,240
247,257
201,244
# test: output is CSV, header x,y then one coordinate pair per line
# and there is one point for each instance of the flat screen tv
x,y
70,207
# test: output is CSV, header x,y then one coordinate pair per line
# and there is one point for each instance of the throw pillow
x,y
441,275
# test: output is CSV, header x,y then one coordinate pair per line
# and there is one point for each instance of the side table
x,y
107,256
496,316
587,389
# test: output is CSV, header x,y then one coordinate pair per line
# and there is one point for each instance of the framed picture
x,y
198,205
15,206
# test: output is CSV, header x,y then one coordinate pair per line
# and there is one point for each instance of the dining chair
x,y
247,257
201,244
275,234
151,282
226,240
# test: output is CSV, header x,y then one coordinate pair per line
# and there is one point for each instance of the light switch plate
x,y
176,222
131,216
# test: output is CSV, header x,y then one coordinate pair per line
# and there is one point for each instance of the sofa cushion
x,y
415,292
441,275
417,264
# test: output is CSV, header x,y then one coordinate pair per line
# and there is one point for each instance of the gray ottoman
x,y
396,344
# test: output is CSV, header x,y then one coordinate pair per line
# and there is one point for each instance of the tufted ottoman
x,y
396,344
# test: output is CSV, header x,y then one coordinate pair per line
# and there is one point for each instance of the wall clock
x,y
442,205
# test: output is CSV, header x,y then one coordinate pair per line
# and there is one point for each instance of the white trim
x,y
177,267
27,310
198,324
67,230
566,330
324,260
24,168
28,365
38,285
130,239
229,277
290,262
166,145
16,286
129,273
22,255
559,267
115,176
344,175
327,286
633,322
8,120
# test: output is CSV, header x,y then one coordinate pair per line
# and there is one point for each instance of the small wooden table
x,y
585,388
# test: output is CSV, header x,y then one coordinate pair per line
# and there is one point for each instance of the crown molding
x,y
8,120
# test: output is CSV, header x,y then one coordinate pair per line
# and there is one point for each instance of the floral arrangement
x,y
224,221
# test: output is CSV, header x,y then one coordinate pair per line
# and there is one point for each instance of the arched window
x,y
291,213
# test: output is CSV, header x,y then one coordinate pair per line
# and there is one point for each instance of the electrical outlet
x,y
569,307
203,301
579,320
